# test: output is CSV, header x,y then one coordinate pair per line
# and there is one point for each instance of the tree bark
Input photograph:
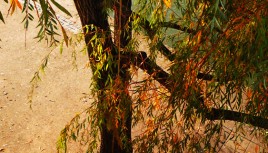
x,y
123,35
115,133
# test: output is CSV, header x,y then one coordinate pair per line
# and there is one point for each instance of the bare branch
x,y
143,62
222,114
177,27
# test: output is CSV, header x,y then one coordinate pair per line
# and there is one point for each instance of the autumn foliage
x,y
213,73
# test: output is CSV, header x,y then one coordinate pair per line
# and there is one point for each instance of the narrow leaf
x,y
61,47
65,36
1,17
12,7
61,7
18,4
44,9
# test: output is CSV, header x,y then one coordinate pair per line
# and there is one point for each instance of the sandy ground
x,y
58,97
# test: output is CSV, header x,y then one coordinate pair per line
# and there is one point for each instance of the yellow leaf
x,y
167,3
199,34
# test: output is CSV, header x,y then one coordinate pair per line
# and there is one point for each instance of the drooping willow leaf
x,y
44,7
61,7
13,5
1,17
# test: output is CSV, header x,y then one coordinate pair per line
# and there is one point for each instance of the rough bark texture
x,y
122,10
114,138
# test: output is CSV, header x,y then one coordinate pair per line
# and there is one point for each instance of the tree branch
x,y
143,62
147,65
177,27
221,114
184,29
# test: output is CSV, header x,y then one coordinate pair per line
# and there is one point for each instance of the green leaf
x,y
216,6
222,15
44,7
61,47
264,84
61,7
74,136
1,17
212,24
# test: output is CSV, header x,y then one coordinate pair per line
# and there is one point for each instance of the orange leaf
x,y
167,3
13,4
249,93
199,34
18,4
12,7
256,148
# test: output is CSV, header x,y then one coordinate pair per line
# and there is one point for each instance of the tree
x,y
216,53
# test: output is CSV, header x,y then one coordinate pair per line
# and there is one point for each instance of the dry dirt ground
x,y
58,97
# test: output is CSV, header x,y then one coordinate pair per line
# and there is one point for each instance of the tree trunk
x,y
123,35
115,129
